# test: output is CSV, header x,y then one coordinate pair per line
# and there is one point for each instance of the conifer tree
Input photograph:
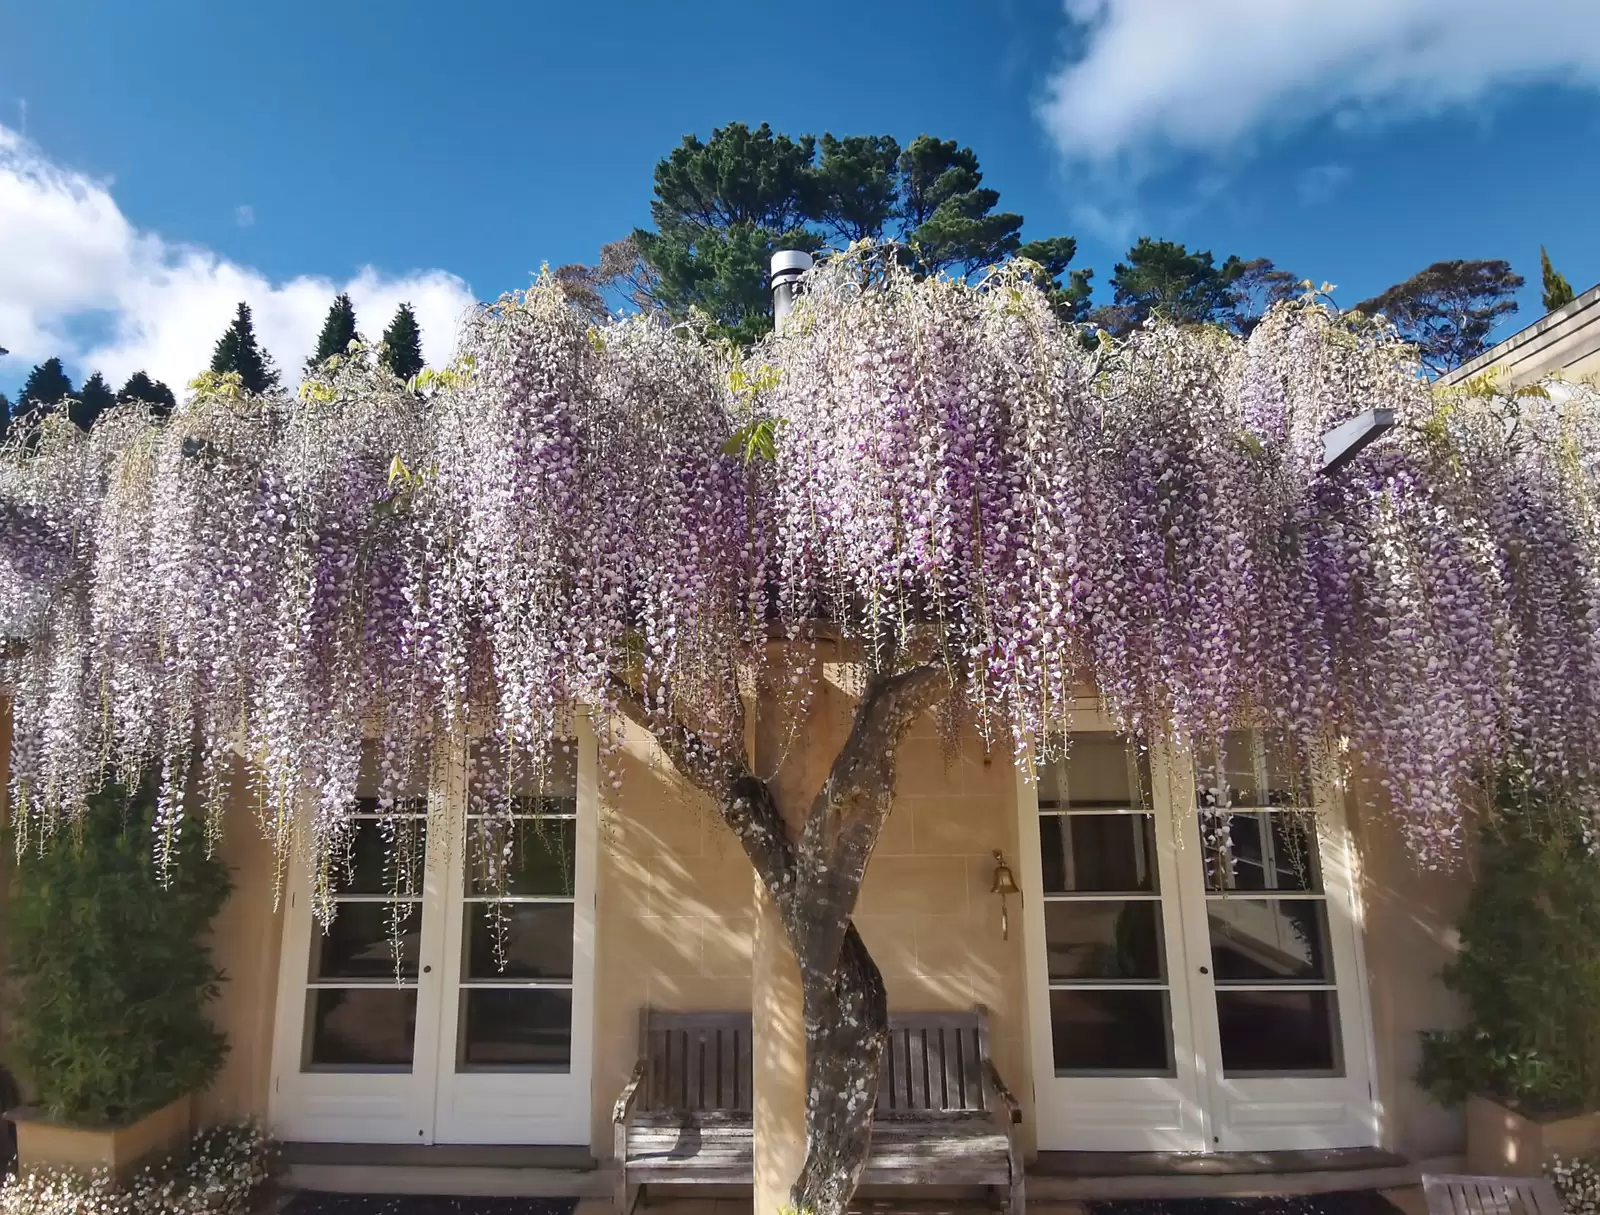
x,y
238,350
338,331
47,386
1557,291
92,400
402,344
155,394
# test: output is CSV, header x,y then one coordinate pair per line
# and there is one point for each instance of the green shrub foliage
x,y
110,1017
1529,966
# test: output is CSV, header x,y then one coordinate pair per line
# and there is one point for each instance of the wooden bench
x,y
1448,1194
944,1116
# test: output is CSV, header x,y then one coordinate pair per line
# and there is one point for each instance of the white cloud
x,y
1205,75
244,215
78,280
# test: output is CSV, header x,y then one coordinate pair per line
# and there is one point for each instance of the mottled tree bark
x,y
814,881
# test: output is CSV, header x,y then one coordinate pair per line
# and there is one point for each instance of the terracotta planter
x,y
43,1144
1502,1142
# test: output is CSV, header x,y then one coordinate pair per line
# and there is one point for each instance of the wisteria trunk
x,y
847,1025
814,879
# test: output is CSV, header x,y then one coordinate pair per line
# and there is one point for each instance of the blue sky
x,y
158,160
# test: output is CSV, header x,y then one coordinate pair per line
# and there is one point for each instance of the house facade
x,y
1158,984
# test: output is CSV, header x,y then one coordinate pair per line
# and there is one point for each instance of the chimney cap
x,y
789,263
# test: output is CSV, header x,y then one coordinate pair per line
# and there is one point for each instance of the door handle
x,y
428,970
1205,970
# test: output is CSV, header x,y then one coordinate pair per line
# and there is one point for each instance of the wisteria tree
x,y
656,527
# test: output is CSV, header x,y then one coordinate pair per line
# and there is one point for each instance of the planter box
x,y
1504,1143
120,1150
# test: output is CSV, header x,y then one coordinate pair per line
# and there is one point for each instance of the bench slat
x,y
691,1123
1463,1195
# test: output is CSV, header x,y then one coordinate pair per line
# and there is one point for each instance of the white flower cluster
x,y
1577,1184
225,1173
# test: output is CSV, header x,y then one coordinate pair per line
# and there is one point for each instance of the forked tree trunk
x,y
814,882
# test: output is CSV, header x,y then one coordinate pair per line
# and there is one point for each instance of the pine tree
x,y
155,394
5,414
338,331
1557,291
402,344
46,388
93,399
1165,278
1449,309
237,350
722,206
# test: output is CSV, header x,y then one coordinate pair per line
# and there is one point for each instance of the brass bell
x,y
1005,883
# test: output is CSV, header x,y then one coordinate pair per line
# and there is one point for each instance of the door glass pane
x,y
529,856
1098,852
1111,1031
361,1028
1104,939
1099,771
1097,841
375,939
360,943
519,941
517,921
1279,1032
1268,939
384,857
1270,851
1257,768
511,1029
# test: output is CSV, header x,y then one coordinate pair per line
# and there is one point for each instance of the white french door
x,y
1195,982
451,998
1280,988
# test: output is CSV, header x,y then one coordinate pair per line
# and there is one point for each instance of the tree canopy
x,y
92,400
338,331
952,479
1164,278
1449,309
722,206
238,351
402,344
153,393
46,387
1558,292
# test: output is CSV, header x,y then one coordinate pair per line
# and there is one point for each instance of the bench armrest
x,y
998,1087
630,1093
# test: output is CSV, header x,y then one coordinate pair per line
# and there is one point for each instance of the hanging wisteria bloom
x,y
931,468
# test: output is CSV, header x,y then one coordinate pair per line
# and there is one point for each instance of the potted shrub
x,y
1527,1063
109,1026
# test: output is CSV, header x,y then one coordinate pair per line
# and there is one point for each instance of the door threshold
x,y
438,1155
468,1170
1089,1176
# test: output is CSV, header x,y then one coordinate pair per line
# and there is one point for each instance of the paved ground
x,y
1366,1202
306,1203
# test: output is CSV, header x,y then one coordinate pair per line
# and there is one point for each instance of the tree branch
x,y
710,768
743,800
850,808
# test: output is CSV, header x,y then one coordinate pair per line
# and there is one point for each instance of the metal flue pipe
x,y
787,267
